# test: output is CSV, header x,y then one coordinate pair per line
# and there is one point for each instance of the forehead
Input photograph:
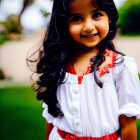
x,y
77,6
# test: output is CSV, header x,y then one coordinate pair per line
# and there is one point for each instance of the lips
x,y
90,36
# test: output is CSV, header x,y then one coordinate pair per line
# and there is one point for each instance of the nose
x,y
88,25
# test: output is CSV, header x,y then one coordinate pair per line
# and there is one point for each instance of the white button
x,y
75,110
75,90
76,122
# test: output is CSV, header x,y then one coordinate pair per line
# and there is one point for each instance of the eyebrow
x,y
72,15
77,14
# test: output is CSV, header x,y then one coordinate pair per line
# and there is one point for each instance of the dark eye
x,y
97,15
76,19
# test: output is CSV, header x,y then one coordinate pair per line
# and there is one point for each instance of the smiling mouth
x,y
89,36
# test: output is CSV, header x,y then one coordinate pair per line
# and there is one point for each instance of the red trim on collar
x,y
70,67
106,68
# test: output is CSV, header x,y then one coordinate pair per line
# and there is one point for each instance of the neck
x,y
86,51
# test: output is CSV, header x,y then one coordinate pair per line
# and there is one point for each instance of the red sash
x,y
68,136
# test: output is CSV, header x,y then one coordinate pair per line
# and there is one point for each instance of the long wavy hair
x,y
58,47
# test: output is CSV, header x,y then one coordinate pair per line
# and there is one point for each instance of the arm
x,y
128,128
48,128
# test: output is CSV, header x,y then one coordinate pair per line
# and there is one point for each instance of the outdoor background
x,y
22,27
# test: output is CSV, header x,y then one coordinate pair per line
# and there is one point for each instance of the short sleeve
x,y
46,115
128,88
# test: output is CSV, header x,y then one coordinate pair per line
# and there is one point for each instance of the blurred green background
x,y
20,114
129,17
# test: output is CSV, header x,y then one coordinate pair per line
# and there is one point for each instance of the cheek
x,y
104,27
74,30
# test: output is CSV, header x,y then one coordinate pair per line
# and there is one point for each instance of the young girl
x,y
90,91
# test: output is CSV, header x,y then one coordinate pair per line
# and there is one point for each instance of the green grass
x,y
129,35
138,128
20,114
3,38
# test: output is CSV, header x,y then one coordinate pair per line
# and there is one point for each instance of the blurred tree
x,y
129,19
45,13
1,74
13,22
26,3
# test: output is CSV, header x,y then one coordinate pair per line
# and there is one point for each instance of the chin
x,y
87,47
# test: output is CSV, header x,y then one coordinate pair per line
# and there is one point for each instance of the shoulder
x,y
125,68
125,62
110,58
117,62
125,59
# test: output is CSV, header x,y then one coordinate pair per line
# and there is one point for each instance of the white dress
x,y
93,111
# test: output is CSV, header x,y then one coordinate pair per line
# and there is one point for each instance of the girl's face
x,y
87,25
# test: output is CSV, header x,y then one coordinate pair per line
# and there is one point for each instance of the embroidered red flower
x,y
106,68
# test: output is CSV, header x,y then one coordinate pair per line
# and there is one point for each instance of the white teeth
x,y
89,35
